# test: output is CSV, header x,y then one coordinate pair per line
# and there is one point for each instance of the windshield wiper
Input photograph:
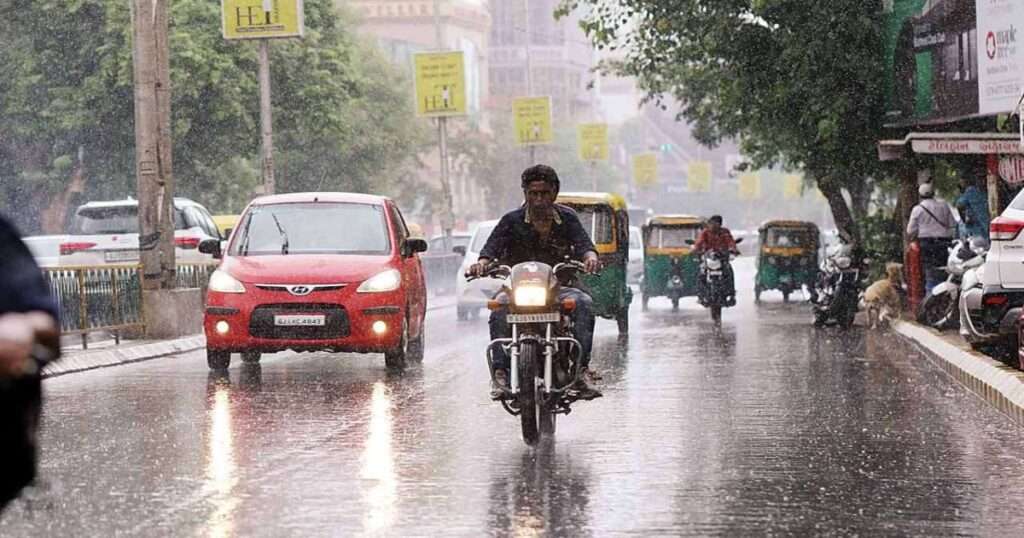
x,y
284,236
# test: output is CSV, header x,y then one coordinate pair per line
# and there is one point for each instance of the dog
x,y
883,299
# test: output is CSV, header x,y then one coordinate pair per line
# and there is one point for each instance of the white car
x,y
635,266
472,296
108,233
45,248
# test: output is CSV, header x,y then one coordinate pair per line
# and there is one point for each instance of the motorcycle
x,y
675,289
544,356
838,289
714,292
940,307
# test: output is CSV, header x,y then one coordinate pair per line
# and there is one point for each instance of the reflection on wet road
x,y
766,426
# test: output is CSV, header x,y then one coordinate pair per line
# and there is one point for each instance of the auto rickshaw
x,y
787,257
604,217
669,269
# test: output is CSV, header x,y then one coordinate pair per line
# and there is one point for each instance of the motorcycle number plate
x,y
715,273
549,317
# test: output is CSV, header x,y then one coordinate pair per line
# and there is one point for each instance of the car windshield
x,y
121,219
674,236
480,238
597,221
312,228
788,237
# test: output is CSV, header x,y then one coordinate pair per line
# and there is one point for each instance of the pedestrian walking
x,y
29,337
973,207
933,225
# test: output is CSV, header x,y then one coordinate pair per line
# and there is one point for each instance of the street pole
x,y
532,152
448,215
266,119
153,172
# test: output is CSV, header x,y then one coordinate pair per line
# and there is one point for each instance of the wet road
x,y
766,427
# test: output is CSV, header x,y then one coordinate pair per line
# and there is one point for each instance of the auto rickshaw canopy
x,y
784,243
603,226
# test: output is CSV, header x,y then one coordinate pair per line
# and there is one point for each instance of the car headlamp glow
x,y
531,296
386,281
222,282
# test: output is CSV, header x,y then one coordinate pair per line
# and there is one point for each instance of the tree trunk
x,y
841,214
860,199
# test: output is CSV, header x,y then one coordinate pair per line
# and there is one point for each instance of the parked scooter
x,y
838,288
940,308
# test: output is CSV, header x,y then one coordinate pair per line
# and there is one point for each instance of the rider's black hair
x,y
715,218
540,172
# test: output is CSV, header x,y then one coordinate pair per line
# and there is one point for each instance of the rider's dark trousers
x,y
582,319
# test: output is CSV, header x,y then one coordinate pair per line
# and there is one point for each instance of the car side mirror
x,y
460,250
414,245
740,240
211,246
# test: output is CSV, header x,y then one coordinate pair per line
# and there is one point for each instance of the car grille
x,y
261,324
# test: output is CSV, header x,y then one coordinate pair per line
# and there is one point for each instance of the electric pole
x,y
153,172
529,69
266,119
448,214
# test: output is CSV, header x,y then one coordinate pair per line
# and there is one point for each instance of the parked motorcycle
x,y
940,308
544,355
838,288
713,291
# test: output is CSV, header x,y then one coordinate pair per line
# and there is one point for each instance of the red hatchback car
x,y
317,271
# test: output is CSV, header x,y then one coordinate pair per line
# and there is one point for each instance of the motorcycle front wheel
x,y
716,313
534,417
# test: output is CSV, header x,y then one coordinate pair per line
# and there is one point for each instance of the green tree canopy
x,y
797,82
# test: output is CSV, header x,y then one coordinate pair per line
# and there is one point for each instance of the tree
x,y
798,82
342,115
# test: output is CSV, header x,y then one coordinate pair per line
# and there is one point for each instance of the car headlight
x,y
222,282
531,296
386,281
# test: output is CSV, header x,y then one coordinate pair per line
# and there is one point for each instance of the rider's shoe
x,y
585,385
499,384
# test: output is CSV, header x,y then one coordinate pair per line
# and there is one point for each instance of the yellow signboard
x,y
645,169
261,19
792,186
698,176
593,141
440,84
750,186
533,120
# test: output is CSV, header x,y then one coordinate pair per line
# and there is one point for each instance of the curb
x,y
123,354
996,383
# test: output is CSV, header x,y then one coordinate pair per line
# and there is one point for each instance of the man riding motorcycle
x,y
545,232
715,237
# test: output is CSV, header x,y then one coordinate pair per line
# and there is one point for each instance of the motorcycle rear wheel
x,y
934,309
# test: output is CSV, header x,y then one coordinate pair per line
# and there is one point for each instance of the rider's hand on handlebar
x,y
591,263
478,268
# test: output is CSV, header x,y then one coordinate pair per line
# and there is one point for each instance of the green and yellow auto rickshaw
x,y
669,268
604,217
787,257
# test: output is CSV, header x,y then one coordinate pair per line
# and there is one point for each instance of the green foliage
x,y
798,82
343,118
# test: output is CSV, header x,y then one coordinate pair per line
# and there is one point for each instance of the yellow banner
x,y
532,120
592,139
792,186
645,169
440,84
698,176
261,19
750,186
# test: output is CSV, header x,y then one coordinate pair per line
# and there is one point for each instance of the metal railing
x,y
109,297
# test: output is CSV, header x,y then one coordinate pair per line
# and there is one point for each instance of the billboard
x,y
440,84
952,59
261,19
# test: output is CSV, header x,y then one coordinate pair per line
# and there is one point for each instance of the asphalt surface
x,y
764,427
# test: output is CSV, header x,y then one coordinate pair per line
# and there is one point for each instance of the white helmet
x,y
926,190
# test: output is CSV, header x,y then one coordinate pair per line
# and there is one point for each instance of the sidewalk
x,y
996,383
106,353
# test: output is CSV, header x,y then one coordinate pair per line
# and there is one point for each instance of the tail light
x,y
994,300
1005,229
186,242
71,248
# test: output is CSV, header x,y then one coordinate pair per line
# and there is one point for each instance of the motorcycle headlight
x,y
714,264
385,281
843,262
224,283
531,296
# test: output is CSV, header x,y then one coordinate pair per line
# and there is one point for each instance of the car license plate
x,y
121,255
551,317
299,320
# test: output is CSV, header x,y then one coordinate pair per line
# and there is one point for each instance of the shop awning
x,y
950,144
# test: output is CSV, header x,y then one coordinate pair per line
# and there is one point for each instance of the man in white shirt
x,y
933,225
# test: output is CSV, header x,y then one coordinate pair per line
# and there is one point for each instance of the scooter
x,y
940,307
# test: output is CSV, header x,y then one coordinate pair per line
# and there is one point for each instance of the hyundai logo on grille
x,y
300,290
